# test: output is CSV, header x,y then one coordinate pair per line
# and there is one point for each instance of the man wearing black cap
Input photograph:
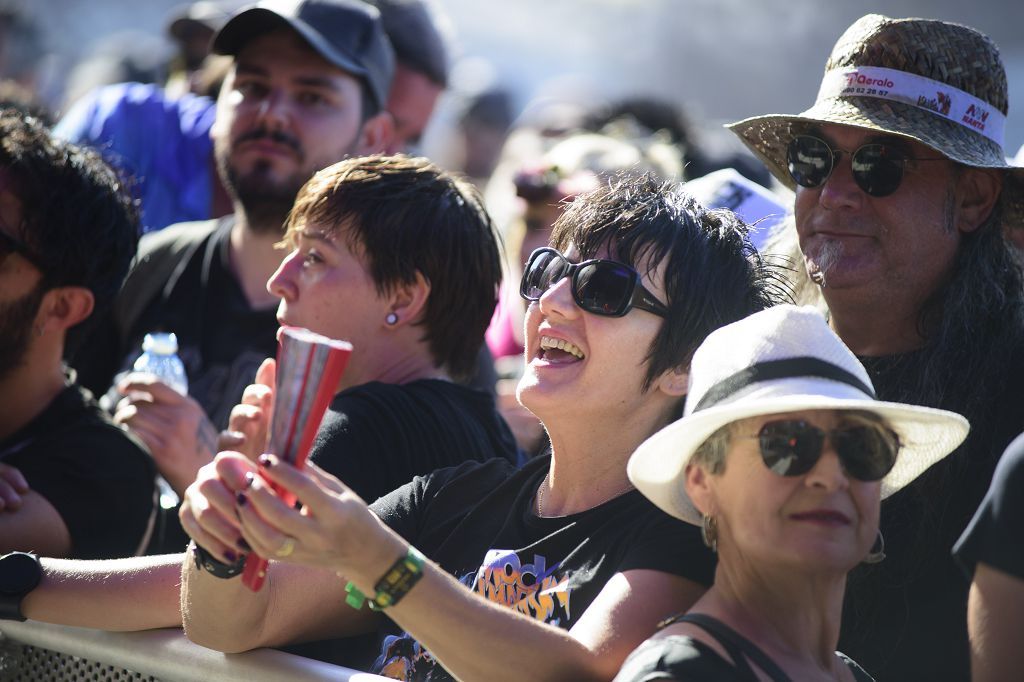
x,y
164,139
306,89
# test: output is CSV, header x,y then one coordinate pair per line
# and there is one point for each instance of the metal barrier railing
x,y
40,652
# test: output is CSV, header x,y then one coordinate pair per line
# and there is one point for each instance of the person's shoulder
x,y
148,99
859,674
176,236
675,657
88,434
1012,461
385,401
492,471
124,104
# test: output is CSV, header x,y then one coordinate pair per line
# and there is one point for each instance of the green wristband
x,y
393,585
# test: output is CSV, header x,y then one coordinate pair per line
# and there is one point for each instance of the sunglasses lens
x,y
545,267
867,452
878,169
790,447
603,288
809,159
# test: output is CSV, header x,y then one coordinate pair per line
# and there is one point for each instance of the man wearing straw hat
x,y
903,195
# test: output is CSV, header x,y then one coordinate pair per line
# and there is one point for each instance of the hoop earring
x,y
709,532
391,319
876,556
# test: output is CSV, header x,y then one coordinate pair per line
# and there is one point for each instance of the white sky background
x,y
720,59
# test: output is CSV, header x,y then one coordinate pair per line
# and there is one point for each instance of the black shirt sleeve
x,y
994,535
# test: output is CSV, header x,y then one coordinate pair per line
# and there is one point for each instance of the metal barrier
x,y
40,652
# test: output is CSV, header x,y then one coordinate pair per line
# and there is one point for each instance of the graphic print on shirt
x,y
534,589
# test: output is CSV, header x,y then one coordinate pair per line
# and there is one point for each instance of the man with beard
x,y
903,194
68,232
164,142
307,88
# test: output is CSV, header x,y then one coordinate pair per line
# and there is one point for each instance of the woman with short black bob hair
x,y
782,457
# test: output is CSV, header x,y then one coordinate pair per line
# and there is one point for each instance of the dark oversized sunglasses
x,y
791,447
9,245
877,167
599,286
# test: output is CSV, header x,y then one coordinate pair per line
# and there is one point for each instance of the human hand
x,y
174,427
333,529
249,423
12,486
207,510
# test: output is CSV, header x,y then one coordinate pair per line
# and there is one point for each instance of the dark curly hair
x,y
77,217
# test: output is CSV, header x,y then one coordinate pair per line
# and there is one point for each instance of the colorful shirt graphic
x,y
534,589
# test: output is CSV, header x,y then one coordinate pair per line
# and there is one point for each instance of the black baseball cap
x,y
347,33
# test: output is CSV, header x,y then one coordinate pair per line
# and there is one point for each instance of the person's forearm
x,y
296,604
463,631
138,593
222,614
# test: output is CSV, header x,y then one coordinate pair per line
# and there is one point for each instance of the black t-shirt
x,y
99,479
996,534
222,339
906,617
682,658
376,437
477,522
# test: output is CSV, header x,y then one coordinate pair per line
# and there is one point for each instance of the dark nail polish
x,y
249,478
243,545
230,556
241,499
266,461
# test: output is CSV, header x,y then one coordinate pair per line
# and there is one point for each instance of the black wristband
x,y
218,569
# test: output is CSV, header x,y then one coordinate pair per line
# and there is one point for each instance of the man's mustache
x,y
272,135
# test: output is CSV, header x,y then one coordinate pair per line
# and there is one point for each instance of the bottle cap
x,y
161,343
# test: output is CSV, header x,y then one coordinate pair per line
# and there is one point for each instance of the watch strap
x,y
27,575
218,569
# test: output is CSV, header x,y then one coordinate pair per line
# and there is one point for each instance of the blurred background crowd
x,y
716,59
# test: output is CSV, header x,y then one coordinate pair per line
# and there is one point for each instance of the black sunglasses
x,y
602,287
9,245
791,447
877,167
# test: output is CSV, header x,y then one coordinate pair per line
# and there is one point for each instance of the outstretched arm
x,y
139,593
335,531
995,621
297,603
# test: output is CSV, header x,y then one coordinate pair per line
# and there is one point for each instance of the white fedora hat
x,y
783,359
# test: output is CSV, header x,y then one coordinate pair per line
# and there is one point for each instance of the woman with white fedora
x,y
782,458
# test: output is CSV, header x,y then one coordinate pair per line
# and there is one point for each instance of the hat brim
x,y
768,136
658,466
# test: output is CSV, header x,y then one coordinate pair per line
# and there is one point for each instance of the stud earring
x,y
391,319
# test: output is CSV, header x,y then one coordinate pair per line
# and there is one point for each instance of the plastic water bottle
x,y
160,358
